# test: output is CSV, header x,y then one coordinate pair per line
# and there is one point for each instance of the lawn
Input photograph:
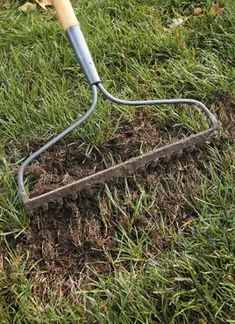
x,y
157,247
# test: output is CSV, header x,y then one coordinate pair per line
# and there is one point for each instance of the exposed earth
x,y
66,240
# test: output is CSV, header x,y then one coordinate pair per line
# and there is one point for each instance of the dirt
x,y
65,241
64,164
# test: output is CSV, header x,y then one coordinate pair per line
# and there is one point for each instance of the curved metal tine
x,y
21,189
210,116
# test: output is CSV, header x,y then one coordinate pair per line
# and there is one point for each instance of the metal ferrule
x,y
82,52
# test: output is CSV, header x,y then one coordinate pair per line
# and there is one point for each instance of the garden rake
x,y
78,43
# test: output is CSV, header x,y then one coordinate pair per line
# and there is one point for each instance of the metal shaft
x,y
82,53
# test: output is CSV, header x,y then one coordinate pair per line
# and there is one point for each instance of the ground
x,y
155,247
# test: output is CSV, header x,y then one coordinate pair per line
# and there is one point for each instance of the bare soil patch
x,y
63,163
66,240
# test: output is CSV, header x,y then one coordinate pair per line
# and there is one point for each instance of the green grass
x,y
43,90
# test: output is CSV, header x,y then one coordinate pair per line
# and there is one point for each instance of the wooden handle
x,y
65,13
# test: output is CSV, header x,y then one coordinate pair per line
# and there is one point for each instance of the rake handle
x,y
65,13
